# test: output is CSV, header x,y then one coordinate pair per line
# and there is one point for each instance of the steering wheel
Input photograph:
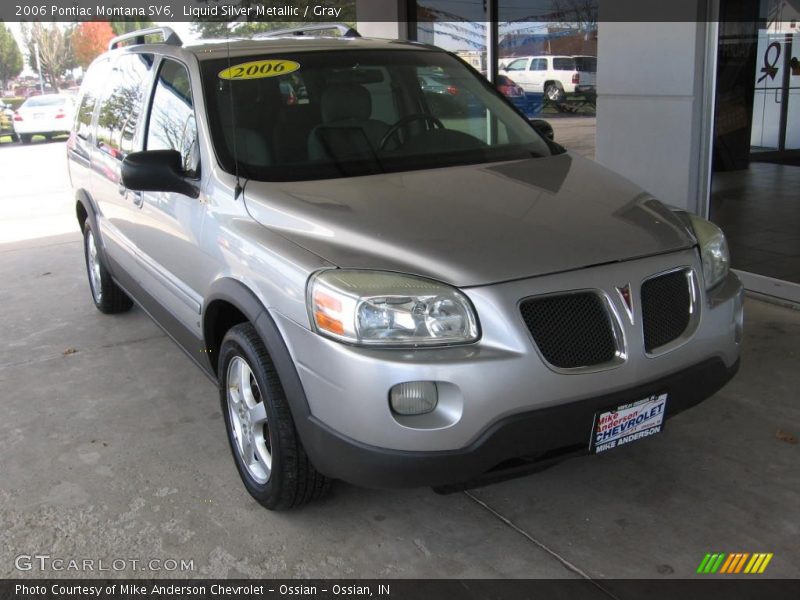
x,y
428,118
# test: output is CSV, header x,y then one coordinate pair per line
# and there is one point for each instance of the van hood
x,y
473,225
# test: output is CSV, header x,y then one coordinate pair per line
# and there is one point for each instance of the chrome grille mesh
x,y
666,308
571,330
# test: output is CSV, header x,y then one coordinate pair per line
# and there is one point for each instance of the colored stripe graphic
x,y
740,564
703,563
736,557
727,564
765,563
754,563
717,563
734,563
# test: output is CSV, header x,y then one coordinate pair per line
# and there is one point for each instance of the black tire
x,y
292,479
108,297
26,138
554,93
14,138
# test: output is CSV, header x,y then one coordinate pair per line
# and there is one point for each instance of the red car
x,y
507,87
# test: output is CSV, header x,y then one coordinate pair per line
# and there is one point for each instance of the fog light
x,y
414,397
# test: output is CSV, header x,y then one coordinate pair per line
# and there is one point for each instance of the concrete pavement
x,y
113,446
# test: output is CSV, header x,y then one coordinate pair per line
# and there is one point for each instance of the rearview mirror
x,y
543,128
156,171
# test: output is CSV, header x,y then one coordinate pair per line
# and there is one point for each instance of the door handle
x,y
138,198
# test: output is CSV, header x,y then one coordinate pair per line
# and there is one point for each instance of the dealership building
x,y
701,108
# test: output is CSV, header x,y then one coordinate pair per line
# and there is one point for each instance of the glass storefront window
x,y
455,25
549,49
756,160
546,55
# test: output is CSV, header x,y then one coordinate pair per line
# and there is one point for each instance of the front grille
x,y
666,308
571,330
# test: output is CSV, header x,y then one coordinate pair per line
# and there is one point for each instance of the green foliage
x,y
14,101
55,49
10,56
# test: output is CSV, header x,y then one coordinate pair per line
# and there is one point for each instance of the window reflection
x,y
172,121
119,111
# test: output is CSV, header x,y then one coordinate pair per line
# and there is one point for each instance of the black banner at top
x,y
351,11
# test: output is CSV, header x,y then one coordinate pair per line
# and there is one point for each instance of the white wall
x,y
650,112
382,19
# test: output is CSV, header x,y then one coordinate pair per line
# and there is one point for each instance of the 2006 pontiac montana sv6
x,y
389,289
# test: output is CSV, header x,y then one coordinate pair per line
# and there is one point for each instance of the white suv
x,y
556,76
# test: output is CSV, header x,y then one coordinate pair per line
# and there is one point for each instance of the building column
x,y
654,107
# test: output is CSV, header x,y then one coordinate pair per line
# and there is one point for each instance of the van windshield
x,y
321,115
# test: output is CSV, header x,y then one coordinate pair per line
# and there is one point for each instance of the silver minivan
x,y
387,290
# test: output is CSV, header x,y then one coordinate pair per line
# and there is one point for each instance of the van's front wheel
x,y
266,447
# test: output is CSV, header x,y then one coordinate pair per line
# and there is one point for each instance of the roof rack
x,y
170,37
343,29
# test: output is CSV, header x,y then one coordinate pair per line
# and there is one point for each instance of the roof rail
x,y
170,37
343,29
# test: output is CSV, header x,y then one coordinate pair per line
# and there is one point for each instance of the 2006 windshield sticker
x,y
258,69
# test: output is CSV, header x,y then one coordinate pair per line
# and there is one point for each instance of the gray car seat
x,y
347,131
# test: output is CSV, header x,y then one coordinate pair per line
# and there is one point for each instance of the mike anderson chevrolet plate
x,y
628,423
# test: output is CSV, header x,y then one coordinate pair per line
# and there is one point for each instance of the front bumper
x,y
499,380
516,444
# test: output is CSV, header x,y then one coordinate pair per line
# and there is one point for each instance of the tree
x,y
10,56
55,50
576,15
89,40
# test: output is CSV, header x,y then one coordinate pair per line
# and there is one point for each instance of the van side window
x,y
539,64
564,64
119,111
172,123
518,65
91,88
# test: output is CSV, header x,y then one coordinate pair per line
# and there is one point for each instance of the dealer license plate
x,y
628,423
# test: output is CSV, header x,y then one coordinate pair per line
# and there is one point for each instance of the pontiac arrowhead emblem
x,y
627,299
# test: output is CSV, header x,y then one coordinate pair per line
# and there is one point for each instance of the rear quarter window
x,y
563,64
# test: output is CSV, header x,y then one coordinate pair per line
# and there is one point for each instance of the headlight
x,y
378,308
713,250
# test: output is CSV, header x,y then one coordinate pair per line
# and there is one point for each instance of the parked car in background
x,y
7,122
587,68
442,95
508,87
48,115
555,76
513,92
437,85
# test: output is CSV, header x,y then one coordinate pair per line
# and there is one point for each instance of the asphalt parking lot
x,y
113,446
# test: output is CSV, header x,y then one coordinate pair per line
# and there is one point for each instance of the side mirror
x,y
156,171
543,128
